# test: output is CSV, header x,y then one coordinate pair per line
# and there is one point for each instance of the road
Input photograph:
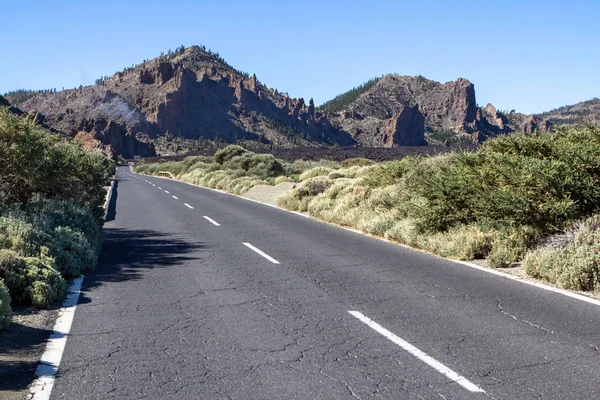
x,y
203,295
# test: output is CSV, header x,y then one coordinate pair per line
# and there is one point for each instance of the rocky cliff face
x,y
448,110
192,94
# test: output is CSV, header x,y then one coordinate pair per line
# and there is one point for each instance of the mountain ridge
x,y
192,94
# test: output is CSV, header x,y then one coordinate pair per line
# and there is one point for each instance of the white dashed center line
x,y
188,206
262,253
175,197
160,188
212,221
438,366
166,191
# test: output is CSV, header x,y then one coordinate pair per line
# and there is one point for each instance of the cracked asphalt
x,y
180,309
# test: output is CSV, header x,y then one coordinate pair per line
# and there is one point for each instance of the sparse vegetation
x,y
342,101
51,193
19,96
580,114
232,168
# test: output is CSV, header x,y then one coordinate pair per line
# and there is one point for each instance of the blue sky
x,y
528,55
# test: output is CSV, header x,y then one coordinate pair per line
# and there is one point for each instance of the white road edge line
x,y
538,285
212,221
188,206
262,253
175,197
45,372
433,363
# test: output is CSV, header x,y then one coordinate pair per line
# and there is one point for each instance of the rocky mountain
x,y
587,112
193,95
190,94
87,140
405,110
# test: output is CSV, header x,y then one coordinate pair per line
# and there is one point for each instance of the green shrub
x,y
229,152
573,268
404,231
265,165
461,242
314,172
282,179
387,173
62,213
572,262
176,168
20,235
5,308
299,166
37,163
511,245
202,165
299,198
31,280
73,254
153,168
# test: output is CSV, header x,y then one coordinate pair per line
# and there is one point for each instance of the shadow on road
x,y
127,253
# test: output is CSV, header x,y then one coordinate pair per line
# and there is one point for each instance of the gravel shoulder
x,y
269,194
21,348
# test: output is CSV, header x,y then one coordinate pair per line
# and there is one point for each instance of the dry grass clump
x,y
282,179
300,166
314,172
573,261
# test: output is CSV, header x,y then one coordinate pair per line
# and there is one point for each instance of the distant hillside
x,y
575,115
343,101
400,110
188,94
180,100
20,96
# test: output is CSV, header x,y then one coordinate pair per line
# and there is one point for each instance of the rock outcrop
x,y
533,124
449,110
406,128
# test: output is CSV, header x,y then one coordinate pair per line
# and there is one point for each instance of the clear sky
x,y
530,55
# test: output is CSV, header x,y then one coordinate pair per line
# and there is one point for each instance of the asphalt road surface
x,y
202,295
